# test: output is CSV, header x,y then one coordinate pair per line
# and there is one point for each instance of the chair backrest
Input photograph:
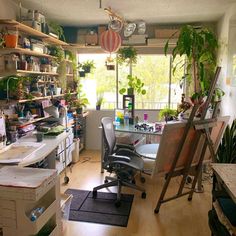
x,y
170,141
108,136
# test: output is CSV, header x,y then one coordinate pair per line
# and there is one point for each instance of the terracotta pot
x,y
110,67
11,40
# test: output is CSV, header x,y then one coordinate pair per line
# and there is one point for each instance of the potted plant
x,y
227,149
127,55
80,103
199,45
99,102
87,66
57,29
57,52
168,114
134,85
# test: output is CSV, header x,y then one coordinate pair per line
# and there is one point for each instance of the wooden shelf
x,y
28,30
12,102
22,72
42,98
31,121
25,51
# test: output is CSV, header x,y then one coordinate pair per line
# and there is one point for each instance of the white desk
x,y
226,174
50,145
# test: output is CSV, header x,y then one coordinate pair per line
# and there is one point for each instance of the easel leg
x,y
163,192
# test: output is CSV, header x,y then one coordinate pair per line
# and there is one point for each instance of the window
x,y
99,81
163,88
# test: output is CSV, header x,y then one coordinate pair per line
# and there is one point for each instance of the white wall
x,y
8,9
226,33
93,121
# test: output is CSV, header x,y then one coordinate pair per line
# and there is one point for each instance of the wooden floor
x,y
176,218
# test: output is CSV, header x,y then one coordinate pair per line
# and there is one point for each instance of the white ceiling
x,y
87,12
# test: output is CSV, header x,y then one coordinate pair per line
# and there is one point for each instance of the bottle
x,y
145,118
36,213
126,119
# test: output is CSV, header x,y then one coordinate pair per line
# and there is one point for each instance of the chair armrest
x,y
127,152
128,146
115,157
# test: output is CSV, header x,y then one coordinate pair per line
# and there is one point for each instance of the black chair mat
x,y
101,209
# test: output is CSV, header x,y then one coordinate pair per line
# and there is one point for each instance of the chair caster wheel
x,y
105,181
142,179
189,199
143,195
66,179
94,193
189,180
117,203
156,211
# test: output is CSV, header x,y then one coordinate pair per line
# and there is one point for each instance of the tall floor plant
x,y
199,45
227,149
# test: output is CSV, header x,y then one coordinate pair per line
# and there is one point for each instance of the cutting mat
x,y
16,152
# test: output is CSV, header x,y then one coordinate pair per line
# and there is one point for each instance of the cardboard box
x,y
166,33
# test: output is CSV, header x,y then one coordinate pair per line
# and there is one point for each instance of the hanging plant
x,y
127,55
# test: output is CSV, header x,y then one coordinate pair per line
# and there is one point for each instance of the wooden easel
x,y
203,127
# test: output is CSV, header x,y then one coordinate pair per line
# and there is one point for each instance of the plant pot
x,y
98,107
11,40
87,69
130,91
79,110
110,67
81,73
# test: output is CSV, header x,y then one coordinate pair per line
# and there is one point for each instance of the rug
x,y
101,209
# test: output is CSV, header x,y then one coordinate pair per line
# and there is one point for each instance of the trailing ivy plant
x,y
199,45
127,55
227,149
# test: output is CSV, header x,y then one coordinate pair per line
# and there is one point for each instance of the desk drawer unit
x,y
22,191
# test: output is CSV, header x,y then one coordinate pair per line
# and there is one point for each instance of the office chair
x,y
121,160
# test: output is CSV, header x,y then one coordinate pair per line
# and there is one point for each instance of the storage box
x,y
66,200
166,33
91,39
101,29
32,23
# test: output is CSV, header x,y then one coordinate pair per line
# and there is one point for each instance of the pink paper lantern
x,y
110,41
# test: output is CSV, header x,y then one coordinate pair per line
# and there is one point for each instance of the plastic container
x,y
145,117
11,40
75,152
66,200
126,119
34,215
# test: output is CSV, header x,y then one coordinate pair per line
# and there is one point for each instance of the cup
x,y
39,137
145,117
